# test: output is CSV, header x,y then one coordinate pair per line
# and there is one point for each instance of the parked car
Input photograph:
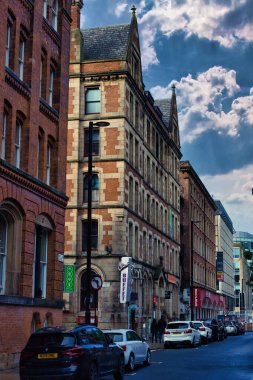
x,y
181,332
69,353
204,330
218,329
231,328
136,350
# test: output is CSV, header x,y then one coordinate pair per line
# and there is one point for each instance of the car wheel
x,y
131,362
93,372
119,374
148,358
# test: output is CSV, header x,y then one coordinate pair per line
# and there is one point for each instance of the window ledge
x,y
50,112
55,36
15,82
28,301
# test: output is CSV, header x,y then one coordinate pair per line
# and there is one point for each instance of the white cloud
x,y
200,103
235,193
213,20
149,56
120,8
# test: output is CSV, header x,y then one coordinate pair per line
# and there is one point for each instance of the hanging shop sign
x,y
69,278
125,279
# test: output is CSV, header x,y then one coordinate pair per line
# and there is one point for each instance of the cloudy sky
x,y
204,47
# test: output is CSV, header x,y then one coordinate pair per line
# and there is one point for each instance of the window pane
x,y
4,136
93,107
93,95
94,234
95,142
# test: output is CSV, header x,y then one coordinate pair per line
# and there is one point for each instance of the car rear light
x,y
166,332
74,352
202,329
188,331
123,346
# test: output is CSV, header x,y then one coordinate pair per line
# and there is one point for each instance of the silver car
x,y
181,332
136,350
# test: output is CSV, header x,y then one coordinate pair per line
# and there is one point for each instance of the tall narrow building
x,y
33,140
199,299
135,182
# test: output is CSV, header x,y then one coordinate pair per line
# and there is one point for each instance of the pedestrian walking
x,y
161,327
153,331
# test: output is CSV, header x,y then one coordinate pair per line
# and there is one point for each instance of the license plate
x,y
48,356
176,332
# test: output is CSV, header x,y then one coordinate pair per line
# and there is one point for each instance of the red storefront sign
x,y
205,298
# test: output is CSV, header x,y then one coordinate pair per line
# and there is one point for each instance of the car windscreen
x,y
52,339
116,337
173,326
197,325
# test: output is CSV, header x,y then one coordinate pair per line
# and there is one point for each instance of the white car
x,y
181,332
136,350
231,328
204,330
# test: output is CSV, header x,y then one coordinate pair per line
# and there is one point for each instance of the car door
x,y
136,345
196,333
108,355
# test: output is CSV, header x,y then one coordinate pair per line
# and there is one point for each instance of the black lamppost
x,y
191,278
89,218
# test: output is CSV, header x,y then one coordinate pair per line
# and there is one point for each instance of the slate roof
x,y
165,107
109,42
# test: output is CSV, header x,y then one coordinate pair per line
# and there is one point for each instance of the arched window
x,y
3,252
93,293
94,188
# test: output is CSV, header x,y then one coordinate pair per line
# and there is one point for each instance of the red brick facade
x,y
33,143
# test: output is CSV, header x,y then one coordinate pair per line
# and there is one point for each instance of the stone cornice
x,y
26,181
53,34
28,4
13,80
50,112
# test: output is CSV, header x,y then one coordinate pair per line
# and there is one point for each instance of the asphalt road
x,y
231,359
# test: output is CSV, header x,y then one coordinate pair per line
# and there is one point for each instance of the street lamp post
x,y
191,277
89,219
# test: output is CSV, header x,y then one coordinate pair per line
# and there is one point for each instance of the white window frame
x,y
4,255
51,87
18,143
38,157
45,8
43,266
48,165
21,57
3,148
54,14
8,45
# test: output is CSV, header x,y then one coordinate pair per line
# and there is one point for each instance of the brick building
x,y
198,250
135,180
33,105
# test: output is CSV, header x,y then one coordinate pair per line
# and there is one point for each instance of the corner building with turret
x,y
135,182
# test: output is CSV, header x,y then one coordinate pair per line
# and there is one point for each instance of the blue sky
x,y
204,47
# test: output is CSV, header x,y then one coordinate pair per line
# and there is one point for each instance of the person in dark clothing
x,y
153,330
161,327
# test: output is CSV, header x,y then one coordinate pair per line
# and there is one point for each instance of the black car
x,y
218,329
79,353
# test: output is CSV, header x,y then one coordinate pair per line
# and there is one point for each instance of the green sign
x,y
69,278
